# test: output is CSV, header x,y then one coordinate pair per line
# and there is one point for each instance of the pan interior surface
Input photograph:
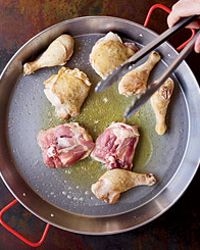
x,y
69,188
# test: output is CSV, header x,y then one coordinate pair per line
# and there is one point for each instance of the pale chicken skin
x,y
159,102
67,91
135,81
109,52
64,145
114,182
58,53
115,147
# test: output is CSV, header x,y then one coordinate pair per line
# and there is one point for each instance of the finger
x,y
197,45
194,25
172,19
183,9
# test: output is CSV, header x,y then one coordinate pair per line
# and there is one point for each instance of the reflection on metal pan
x,y
63,197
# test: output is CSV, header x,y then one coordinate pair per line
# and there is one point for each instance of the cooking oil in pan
x,y
97,113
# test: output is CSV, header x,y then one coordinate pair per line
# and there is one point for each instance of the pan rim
x,y
10,61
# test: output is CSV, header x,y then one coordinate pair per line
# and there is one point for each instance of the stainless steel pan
x,y
57,196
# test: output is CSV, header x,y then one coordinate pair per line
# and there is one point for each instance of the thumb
x,y
197,45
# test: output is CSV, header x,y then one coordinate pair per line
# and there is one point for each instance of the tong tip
x,y
98,88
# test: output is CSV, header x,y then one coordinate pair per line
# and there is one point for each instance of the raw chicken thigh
x,y
58,53
159,102
115,147
67,91
135,81
109,52
114,182
64,145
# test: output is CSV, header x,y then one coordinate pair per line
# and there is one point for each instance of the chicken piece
x,y
109,52
67,91
58,53
115,147
135,81
159,102
64,145
114,182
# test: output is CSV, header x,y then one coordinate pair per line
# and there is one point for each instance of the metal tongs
x,y
129,64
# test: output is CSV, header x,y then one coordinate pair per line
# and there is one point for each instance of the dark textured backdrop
x,y
179,228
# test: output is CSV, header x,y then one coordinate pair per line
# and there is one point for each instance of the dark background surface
x,y
178,228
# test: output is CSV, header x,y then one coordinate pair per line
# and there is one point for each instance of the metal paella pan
x,y
63,197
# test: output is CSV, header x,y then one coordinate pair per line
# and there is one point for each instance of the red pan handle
x,y
18,235
168,10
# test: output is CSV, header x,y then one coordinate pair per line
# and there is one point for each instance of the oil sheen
x,y
97,113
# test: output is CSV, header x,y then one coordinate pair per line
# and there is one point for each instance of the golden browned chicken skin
x,y
67,91
58,53
135,81
159,102
116,181
109,52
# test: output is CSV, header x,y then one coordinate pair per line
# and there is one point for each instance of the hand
x,y
184,8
